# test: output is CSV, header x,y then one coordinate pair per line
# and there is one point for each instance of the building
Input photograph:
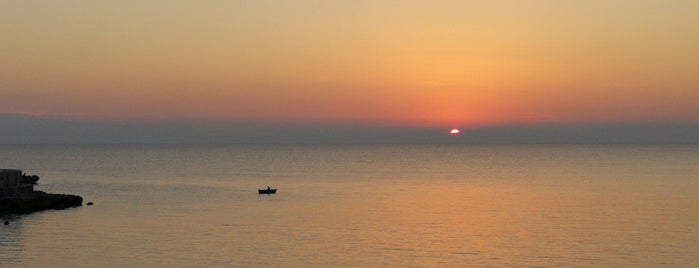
x,y
11,182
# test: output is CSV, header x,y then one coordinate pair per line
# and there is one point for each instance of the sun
x,y
454,132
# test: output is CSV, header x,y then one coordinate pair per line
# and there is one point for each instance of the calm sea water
x,y
360,205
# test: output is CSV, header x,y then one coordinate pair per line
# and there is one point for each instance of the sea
x,y
359,205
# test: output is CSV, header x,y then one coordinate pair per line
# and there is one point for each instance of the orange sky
x,y
415,63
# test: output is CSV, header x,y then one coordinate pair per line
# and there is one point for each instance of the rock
x,y
37,201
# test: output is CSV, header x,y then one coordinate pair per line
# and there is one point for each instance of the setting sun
x,y
581,123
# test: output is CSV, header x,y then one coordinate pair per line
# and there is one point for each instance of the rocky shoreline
x,y
17,195
37,201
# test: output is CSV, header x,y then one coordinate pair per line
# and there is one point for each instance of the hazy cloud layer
x,y
37,130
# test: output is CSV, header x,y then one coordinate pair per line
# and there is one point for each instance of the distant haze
x,y
33,130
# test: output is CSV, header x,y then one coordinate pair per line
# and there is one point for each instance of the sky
x,y
419,65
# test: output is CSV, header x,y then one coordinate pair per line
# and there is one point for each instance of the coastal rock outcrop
x,y
37,201
17,195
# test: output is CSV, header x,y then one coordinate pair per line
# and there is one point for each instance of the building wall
x,y
11,181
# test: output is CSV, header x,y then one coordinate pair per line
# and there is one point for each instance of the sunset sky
x,y
373,63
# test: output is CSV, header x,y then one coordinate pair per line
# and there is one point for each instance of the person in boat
x,y
268,188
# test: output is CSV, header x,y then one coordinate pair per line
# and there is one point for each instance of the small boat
x,y
267,191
